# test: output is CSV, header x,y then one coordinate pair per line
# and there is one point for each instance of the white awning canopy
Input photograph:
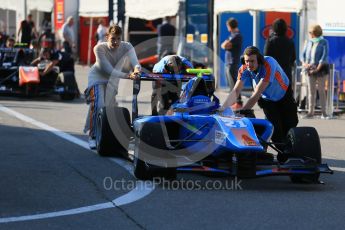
x,y
9,5
261,5
94,8
152,9
39,5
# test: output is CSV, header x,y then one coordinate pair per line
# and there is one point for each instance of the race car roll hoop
x,y
206,74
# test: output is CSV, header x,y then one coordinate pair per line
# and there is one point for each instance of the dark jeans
x,y
231,76
282,114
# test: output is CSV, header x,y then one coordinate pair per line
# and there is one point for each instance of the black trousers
x,y
67,47
282,114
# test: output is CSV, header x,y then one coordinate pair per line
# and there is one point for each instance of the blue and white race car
x,y
197,137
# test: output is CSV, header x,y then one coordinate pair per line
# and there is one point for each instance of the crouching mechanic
x,y
272,91
56,58
47,55
167,92
111,60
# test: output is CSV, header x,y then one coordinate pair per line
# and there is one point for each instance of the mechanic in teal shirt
x,y
272,91
167,92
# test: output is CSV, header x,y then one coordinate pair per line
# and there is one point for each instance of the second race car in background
x,y
17,77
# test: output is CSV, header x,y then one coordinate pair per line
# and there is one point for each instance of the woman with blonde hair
x,y
316,67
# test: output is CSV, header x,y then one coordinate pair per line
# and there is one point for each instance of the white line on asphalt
x,y
142,189
59,213
46,127
338,169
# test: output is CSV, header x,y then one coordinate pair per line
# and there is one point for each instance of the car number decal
x,y
231,123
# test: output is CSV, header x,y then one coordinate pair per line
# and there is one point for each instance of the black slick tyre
x,y
149,141
108,143
304,142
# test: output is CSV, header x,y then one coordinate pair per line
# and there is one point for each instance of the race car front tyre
x,y
141,169
304,142
145,171
150,143
112,135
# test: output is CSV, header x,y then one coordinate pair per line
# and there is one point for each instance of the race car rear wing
x,y
172,77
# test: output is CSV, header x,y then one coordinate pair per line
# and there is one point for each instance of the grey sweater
x,y
110,63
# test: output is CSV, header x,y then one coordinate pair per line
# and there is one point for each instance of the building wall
x,y
70,9
8,22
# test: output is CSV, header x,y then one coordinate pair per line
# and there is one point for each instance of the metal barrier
x,y
336,80
297,82
300,88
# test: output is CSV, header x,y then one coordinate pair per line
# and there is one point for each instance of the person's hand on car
x,y
134,75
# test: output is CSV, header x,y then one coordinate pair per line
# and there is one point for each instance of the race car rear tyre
x,y
108,143
304,142
149,140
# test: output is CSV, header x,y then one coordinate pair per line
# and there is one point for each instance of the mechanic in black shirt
x,y
27,30
281,47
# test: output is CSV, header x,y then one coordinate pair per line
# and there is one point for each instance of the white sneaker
x,y
92,143
307,116
325,117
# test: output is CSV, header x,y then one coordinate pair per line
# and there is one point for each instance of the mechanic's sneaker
x,y
236,106
308,116
92,143
325,117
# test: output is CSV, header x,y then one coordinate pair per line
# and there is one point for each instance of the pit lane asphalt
x,y
41,173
